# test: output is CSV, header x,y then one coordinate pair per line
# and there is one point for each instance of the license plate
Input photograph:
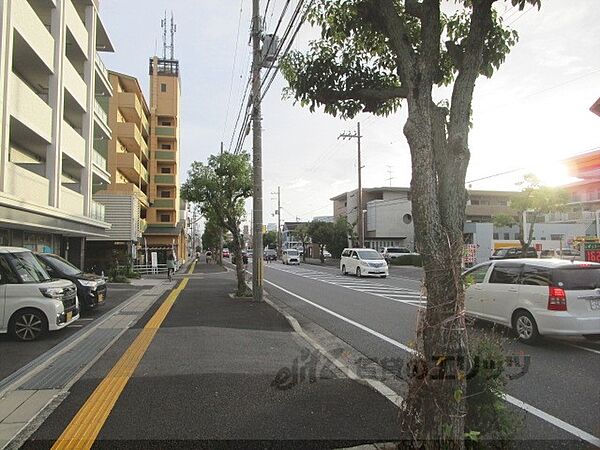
x,y
100,298
595,304
69,316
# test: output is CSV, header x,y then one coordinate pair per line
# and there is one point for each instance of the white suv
x,y
290,256
363,261
537,297
31,303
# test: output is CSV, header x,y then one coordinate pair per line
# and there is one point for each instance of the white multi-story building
x,y
54,92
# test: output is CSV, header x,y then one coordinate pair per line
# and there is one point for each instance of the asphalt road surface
x,y
378,317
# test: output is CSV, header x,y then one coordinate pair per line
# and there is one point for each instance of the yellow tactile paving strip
x,y
83,430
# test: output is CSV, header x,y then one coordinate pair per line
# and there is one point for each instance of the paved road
x,y
14,355
377,317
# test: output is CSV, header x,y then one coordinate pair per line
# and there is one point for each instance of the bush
x,y
121,274
489,423
407,260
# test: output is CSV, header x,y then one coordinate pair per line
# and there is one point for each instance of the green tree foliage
x,y
536,201
341,231
270,239
320,233
372,55
503,220
220,187
210,237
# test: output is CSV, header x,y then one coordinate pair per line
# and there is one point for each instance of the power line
x,y
237,39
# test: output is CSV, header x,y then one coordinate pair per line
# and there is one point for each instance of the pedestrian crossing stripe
x,y
395,294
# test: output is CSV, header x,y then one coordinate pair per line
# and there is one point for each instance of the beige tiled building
x,y
126,198
166,230
54,92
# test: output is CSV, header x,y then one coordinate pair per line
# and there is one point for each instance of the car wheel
x,y
592,337
28,325
358,272
525,327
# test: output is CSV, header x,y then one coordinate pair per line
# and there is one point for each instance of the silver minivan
x,y
31,303
537,297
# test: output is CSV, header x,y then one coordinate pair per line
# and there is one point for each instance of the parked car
x,y
270,255
31,302
566,253
91,288
290,256
537,298
226,253
363,261
326,254
390,253
513,253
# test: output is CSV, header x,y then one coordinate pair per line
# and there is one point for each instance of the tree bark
x,y
242,289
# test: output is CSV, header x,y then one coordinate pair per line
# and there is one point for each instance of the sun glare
x,y
553,174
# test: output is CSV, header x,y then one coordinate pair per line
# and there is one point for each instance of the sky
x,y
531,114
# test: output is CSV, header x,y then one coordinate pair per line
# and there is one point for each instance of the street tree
x,y
533,203
220,187
301,233
341,232
211,235
320,234
370,57
270,239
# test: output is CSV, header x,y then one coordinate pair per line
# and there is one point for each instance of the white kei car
x,y
537,297
362,262
290,256
31,303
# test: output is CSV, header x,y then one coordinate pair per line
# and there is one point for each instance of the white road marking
x,y
571,429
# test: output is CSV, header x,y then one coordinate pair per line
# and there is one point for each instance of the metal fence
x,y
148,269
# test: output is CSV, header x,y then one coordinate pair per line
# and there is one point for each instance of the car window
x,y
28,267
500,252
505,275
62,265
368,254
6,273
354,255
535,276
577,278
346,253
478,273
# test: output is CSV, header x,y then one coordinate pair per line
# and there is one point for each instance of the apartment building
x,y
54,92
126,198
166,226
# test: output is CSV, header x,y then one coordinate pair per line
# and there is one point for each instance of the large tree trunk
x,y
435,405
242,289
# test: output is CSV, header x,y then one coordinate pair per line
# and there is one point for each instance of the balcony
x,y
165,155
144,174
571,217
26,185
129,134
130,106
164,179
71,202
73,144
164,203
102,117
143,225
33,31
130,188
129,164
99,160
97,211
102,72
29,109
165,132
75,84
76,26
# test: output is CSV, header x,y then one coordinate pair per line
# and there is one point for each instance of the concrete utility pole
x,y
221,230
278,220
359,211
257,200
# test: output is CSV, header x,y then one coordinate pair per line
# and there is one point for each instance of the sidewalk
x,y
228,369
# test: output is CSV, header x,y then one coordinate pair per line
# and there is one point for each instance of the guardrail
x,y
149,269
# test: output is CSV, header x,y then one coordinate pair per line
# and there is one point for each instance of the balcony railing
x,y
98,211
573,216
99,160
101,66
102,115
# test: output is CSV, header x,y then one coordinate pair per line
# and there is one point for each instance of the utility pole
x,y
359,212
221,229
278,220
257,200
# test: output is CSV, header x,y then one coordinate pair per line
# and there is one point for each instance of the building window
x,y
474,202
166,123
165,217
165,146
165,194
495,236
590,195
163,87
506,236
557,237
165,170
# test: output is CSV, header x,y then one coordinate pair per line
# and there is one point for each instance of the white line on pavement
x,y
515,401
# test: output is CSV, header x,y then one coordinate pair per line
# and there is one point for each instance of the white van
x,y
290,256
363,261
537,297
31,303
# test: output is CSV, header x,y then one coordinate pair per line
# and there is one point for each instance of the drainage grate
x,y
61,371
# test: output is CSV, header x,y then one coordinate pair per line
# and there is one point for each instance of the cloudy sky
x,y
530,115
